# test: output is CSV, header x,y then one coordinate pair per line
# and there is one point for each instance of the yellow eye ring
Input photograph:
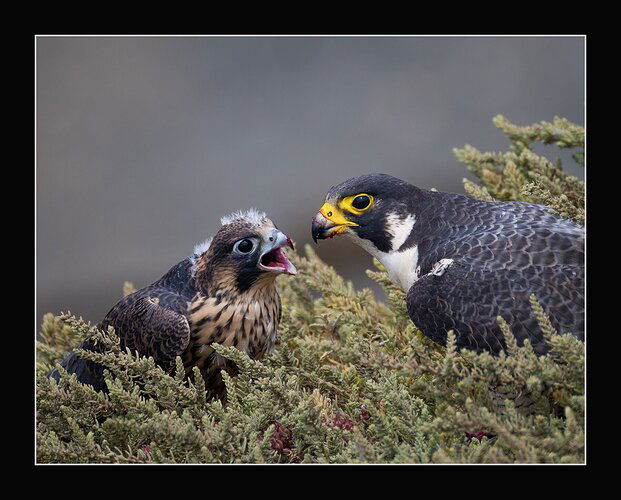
x,y
348,203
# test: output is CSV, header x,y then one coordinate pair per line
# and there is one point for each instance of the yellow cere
x,y
346,204
335,215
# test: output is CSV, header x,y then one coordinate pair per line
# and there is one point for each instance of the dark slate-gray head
x,y
375,210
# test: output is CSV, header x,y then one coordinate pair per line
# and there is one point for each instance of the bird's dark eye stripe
x,y
361,202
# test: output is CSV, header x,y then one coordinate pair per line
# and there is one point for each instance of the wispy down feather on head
x,y
201,248
252,216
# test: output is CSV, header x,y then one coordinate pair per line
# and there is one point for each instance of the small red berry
x,y
479,435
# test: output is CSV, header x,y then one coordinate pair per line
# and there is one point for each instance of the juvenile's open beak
x,y
329,222
273,259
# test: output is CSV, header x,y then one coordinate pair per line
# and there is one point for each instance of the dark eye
x,y
361,202
244,246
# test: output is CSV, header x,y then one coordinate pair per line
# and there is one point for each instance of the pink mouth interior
x,y
275,259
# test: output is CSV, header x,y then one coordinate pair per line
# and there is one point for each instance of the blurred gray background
x,y
143,143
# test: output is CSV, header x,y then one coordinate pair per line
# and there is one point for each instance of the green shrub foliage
x,y
351,380
522,175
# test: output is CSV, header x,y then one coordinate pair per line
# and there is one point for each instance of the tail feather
x,y
86,371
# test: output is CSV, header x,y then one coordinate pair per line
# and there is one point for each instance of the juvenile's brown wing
x,y
152,321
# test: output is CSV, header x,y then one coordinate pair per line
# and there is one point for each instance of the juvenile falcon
x,y
225,292
463,262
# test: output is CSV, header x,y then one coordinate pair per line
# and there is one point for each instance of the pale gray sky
x,y
144,143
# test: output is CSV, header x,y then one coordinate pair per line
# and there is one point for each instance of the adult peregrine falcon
x,y
463,262
225,292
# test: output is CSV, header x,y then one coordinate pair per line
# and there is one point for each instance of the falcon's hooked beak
x,y
329,222
273,258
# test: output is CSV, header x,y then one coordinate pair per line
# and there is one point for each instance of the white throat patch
x,y
401,266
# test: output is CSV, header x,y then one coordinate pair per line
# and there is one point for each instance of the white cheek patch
x,y
400,229
401,266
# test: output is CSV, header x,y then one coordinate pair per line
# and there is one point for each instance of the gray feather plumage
x,y
502,253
